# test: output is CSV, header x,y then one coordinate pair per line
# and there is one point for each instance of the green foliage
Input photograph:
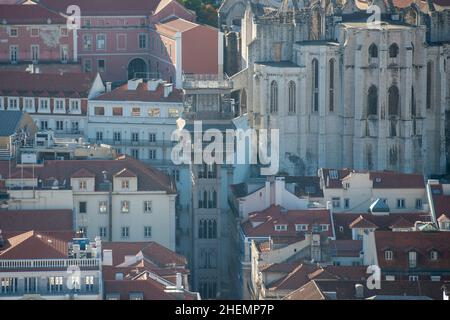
x,y
206,10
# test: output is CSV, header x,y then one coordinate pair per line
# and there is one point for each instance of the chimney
x,y
359,291
267,195
152,84
167,89
108,86
133,83
107,257
279,188
179,282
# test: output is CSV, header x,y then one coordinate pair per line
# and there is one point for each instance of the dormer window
x,y
74,105
82,185
280,227
125,184
434,255
412,259
13,104
388,255
301,227
324,227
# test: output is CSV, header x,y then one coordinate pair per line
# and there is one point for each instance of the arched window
x,y
429,83
243,101
274,97
373,51
315,85
372,101
292,97
331,85
393,101
393,50
413,103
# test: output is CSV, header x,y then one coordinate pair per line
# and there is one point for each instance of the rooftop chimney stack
x,y
133,83
359,291
108,86
167,89
107,257
152,84
179,282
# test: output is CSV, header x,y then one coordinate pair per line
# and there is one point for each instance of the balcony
x,y
49,263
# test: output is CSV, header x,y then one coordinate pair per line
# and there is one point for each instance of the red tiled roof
x,y
443,217
35,245
441,201
262,224
330,181
82,173
345,248
125,173
150,179
38,83
402,223
105,7
400,243
38,220
175,25
361,222
28,14
396,180
141,94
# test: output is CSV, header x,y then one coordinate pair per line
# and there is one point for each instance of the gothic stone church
x,y
345,87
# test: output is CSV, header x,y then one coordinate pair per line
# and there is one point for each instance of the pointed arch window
x,y
373,51
315,85
393,101
393,50
429,83
273,97
292,97
331,85
372,101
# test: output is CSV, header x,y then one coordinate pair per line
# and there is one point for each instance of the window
x,y
75,105
125,206
34,32
388,255
336,202
135,112
135,136
9,285
55,284
30,285
82,231
87,65
331,85
429,84
434,255
125,232
207,229
154,112
103,207
147,206
315,85
173,113
413,103
400,203
99,111
13,53
147,232
87,42
346,203
63,32
121,41
324,227
274,97
125,184
13,32
393,51
117,111
372,101
373,51
99,136
13,103
152,137
117,136
101,65
412,259
280,227
413,278
64,51
152,154
44,105
44,125
301,227
29,104
393,101
418,203
102,232
82,207
142,41
89,283
135,153
292,97
59,105
101,42
59,125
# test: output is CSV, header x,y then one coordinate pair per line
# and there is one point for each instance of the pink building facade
x,y
118,39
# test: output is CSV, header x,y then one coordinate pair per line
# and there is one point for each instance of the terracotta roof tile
x,y
125,173
38,220
361,222
29,14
